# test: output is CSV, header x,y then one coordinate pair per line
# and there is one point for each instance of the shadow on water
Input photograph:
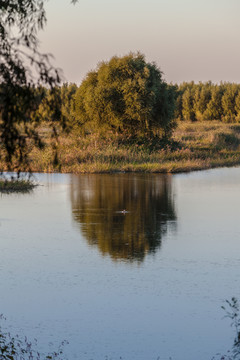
x,y
124,215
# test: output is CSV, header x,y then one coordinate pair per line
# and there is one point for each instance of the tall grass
x,y
16,185
194,146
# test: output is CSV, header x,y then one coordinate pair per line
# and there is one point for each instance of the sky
x,y
189,40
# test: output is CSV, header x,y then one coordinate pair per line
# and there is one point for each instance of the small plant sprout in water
x,y
17,348
16,183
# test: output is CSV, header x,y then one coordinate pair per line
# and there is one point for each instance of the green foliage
x,y
57,105
50,107
187,105
68,105
214,106
202,97
208,101
237,106
19,25
126,94
228,103
20,22
16,185
229,141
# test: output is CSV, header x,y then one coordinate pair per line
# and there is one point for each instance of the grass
x,y
194,146
16,185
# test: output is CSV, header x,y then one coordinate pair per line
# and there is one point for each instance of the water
x,y
140,284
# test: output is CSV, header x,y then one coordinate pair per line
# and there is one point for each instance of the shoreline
x,y
176,170
194,146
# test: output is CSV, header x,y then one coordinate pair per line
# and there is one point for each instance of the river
x,y
123,266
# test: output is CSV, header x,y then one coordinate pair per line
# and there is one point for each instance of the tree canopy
x,y
126,94
208,101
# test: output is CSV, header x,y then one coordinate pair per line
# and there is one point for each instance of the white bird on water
x,y
123,211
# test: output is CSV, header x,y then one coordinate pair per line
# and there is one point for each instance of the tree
x,y
67,105
202,97
20,87
178,104
214,106
126,94
237,106
187,105
57,106
228,103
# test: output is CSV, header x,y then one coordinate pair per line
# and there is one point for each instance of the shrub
x,y
126,94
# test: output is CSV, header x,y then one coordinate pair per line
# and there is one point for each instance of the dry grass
x,y
194,146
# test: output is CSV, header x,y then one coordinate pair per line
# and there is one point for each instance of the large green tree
x,y
126,94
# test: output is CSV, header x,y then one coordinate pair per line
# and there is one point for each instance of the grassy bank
x,y
194,146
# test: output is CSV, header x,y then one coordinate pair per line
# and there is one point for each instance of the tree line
x,y
188,102
208,101
126,95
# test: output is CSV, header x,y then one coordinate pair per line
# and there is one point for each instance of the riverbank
x,y
194,146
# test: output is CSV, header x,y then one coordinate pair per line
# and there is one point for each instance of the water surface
x,y
142,283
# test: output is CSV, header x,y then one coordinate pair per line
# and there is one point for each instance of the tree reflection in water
x,y
97,205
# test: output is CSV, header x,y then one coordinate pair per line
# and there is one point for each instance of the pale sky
x,y
188,39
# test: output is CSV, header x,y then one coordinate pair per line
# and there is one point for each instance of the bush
x,y
225,140
126,95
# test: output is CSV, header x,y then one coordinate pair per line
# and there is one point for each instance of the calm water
x,y
141,284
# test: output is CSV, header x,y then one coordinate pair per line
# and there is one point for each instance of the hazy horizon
x,y
188,40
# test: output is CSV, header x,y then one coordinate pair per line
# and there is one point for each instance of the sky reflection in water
x,y
139,285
